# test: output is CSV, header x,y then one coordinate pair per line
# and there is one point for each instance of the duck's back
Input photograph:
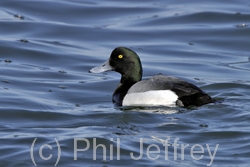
x,y
165,90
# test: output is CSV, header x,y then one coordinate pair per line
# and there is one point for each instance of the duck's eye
x,y
120,56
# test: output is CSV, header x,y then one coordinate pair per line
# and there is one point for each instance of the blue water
x,y
53,112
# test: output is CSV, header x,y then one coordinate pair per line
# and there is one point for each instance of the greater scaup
x,y
155,91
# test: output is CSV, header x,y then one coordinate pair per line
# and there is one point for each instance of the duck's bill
x,y
102,68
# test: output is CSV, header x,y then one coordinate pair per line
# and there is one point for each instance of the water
x,y
48,96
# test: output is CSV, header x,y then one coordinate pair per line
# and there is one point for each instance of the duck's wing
x,y
147,85
161,82
188,93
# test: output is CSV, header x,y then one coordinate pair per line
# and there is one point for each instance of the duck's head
x,y
124,61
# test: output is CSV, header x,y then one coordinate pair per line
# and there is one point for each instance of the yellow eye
x,y
120,56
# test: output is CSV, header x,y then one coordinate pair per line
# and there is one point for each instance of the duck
x,y
158,90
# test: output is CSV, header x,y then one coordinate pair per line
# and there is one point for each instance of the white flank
x,y
151,98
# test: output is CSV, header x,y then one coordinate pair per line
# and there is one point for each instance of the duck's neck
x,y
128,80
131,78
